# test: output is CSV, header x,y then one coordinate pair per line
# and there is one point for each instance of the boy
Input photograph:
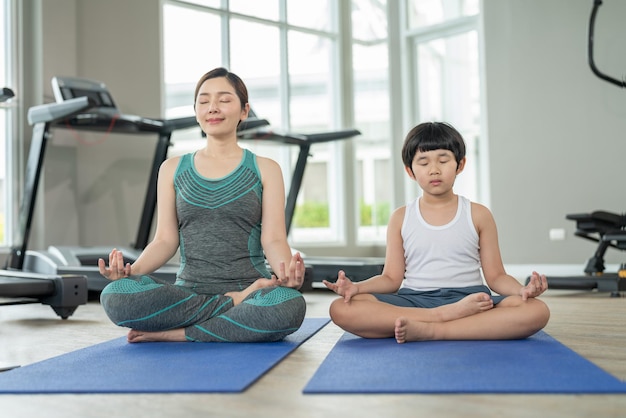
x,y
431,287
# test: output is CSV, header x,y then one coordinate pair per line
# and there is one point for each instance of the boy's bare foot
x,y
469,305
173,335
406,330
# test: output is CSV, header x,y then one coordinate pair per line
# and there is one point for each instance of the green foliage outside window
x,y
316,214
311,215
376,214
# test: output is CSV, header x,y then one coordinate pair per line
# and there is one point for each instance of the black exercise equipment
x,y
101,116
609,231
64,293
592,65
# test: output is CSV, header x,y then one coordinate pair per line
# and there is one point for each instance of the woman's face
x,y
218,108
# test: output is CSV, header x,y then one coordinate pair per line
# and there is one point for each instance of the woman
x,y
224,207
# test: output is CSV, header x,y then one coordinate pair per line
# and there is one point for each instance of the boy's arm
x,y
392,275
490,258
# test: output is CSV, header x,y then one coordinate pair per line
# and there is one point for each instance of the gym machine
x,y
608,230
102,116
63,293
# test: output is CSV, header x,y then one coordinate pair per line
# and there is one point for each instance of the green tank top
x,y
219,222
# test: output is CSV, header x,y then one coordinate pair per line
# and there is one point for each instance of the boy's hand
x,y
535,287
343,286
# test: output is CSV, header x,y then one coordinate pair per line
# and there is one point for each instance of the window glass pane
x,y
183,63
428,12
265,9
259,68
311,104
371,109
311,109
369,20
309,14
448,90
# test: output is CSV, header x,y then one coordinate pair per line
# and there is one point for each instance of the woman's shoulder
x,y
170,164
266,164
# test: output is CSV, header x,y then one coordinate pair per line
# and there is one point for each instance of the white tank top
x,y
440,256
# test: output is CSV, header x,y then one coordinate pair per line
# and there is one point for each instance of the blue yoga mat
x,y
539,364
119,367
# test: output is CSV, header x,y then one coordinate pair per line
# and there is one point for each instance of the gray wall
x,y
555,131
95,183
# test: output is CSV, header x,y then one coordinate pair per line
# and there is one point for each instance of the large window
x,y
444,51
289,54
286,52
370,55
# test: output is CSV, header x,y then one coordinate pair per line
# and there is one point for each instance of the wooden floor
x,y
593,324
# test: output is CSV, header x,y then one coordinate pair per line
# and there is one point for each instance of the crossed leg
x,y
179,334
367,317
512,318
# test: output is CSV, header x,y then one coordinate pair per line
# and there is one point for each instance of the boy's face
x,y
435,171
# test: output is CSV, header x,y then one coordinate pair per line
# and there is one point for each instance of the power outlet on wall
x,y
557,234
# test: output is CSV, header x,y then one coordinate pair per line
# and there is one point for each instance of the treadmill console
x,y
104,114
66,88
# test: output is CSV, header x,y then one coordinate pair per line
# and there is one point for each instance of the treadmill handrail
x,y
51,112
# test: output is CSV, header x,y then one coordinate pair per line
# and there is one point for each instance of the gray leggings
x,y
146,304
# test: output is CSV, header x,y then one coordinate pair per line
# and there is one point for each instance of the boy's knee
x,y
338,311
543,312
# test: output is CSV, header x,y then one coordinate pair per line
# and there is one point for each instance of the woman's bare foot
x,y
406,330
173,335
469,305
238,297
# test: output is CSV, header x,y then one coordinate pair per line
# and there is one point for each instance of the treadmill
x,y
63,293
103,116
323,268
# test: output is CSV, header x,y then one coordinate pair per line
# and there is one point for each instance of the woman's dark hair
x,y
233,79
430,136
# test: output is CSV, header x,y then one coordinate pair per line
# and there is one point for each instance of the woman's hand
x,y
295,276
117,269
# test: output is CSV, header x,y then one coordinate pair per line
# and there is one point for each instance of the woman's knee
x,y
122,299
287,302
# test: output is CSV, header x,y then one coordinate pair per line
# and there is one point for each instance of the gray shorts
x,y
433,298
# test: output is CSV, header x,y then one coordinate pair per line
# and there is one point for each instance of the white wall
x,y
556,132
